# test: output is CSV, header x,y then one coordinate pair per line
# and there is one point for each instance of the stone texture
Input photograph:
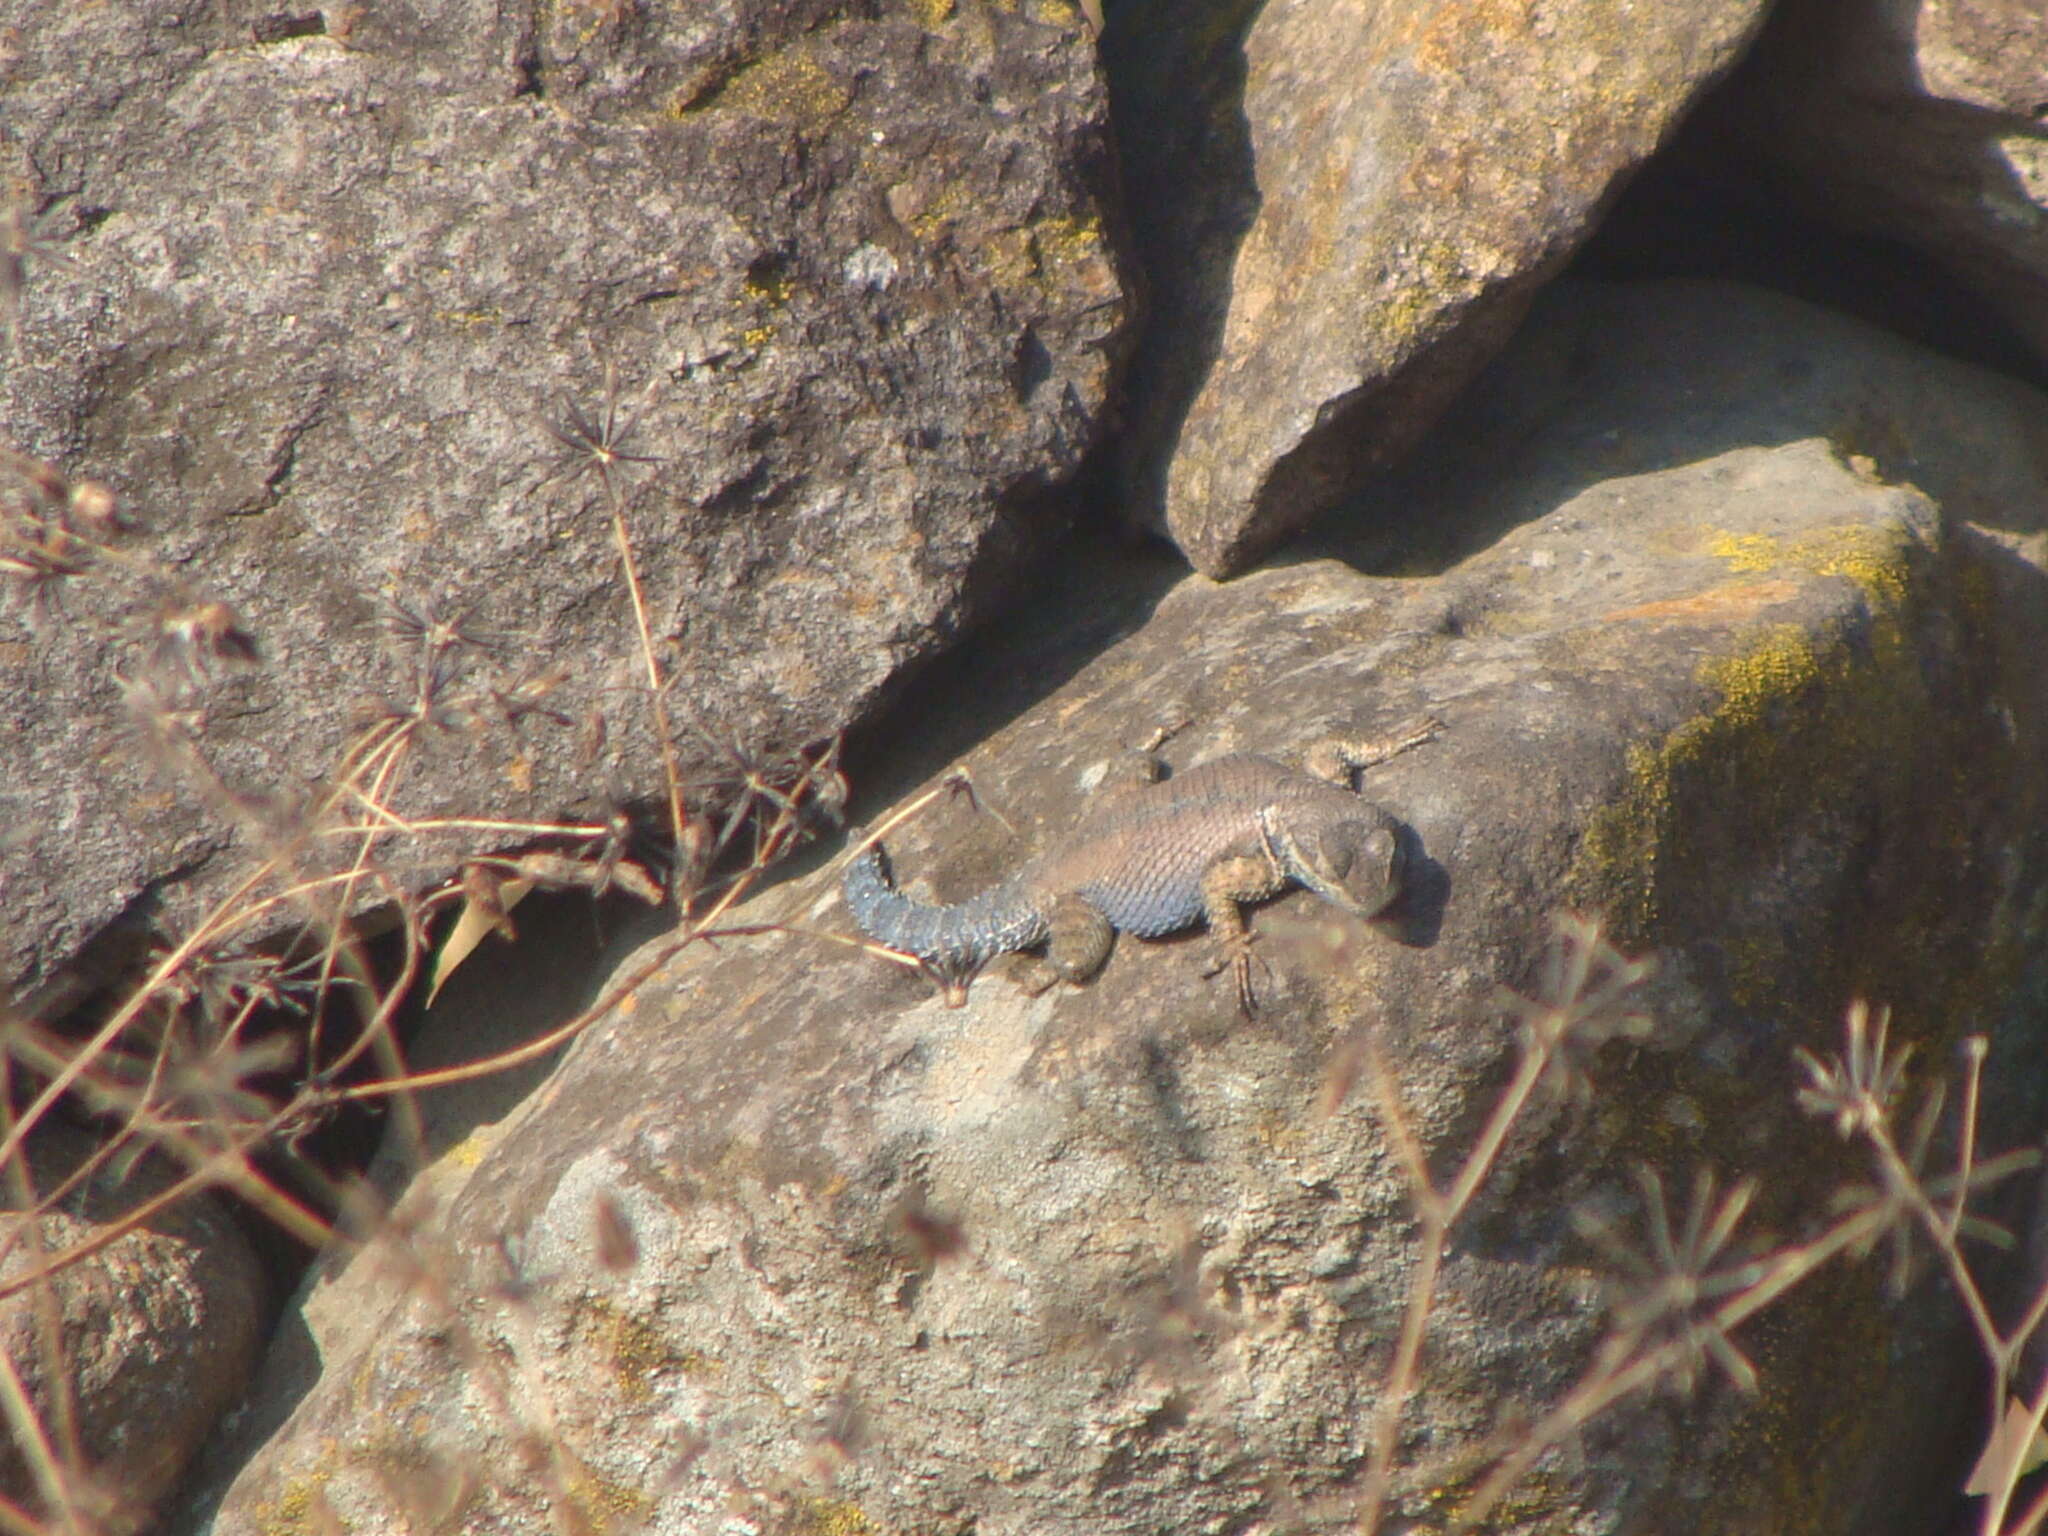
x,y
1918,122
310,288
509,994
1710,653
1343,210
155,1334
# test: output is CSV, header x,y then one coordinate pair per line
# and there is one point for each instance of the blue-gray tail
x,y
953,941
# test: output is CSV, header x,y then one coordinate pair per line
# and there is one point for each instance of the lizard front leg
x,y
1339,758
1227,884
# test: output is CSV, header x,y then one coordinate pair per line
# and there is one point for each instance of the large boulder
x,y
1344,212
789,1245
309,291
1921,123
131,1328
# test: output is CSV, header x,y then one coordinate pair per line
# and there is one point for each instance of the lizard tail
x,y
953,940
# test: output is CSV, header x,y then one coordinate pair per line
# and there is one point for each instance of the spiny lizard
x,y
1157,858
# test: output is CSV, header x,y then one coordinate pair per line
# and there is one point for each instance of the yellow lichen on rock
x,y
834,1517
790,87
294,1514
636,1347
1746,552
1876,559
1794,708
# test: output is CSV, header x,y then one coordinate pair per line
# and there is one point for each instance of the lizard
x,y
1157,857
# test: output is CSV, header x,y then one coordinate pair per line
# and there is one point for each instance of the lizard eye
x,y
1369,866
1374,853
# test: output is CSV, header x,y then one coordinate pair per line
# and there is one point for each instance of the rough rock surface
x,y
303,288
1114,1260
156,1333
507,995
1342,213
1919,122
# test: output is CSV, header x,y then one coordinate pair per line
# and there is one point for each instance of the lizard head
x,y
1354,864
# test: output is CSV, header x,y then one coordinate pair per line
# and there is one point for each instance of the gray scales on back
x,y
1158,857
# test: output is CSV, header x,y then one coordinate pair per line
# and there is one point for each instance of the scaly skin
x,y
1158,858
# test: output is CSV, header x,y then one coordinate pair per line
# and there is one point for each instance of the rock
x,y
1919,123
156,1332
1342,219
508,995
303,296
1113,1260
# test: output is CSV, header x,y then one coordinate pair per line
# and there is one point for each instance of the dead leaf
x,y
1995,1468
484,910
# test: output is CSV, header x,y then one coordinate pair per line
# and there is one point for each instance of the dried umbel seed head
x,y
94,505
44,480
196,637
36,567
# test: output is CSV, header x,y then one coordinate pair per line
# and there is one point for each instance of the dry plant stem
x,y
230,918
211,1168
1621,1371
13,1518
220,1168
126,1014
387,768
698,929
956,782
2002,1351
376,1032
216,925
2000,1499
30,1439
656,703
397,824
2032,1518
1439,1213
1974,1051
31,1436
2036,1310
1623,1368
1902,1185
229,1166
101,1156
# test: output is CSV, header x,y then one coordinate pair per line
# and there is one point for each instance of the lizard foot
x,y
1236,957
1033,975
1340,758
1077,946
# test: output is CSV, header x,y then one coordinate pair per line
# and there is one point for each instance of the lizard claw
x,y
1237,959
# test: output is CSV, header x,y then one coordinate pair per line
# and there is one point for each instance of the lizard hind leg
x,y
1078,942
